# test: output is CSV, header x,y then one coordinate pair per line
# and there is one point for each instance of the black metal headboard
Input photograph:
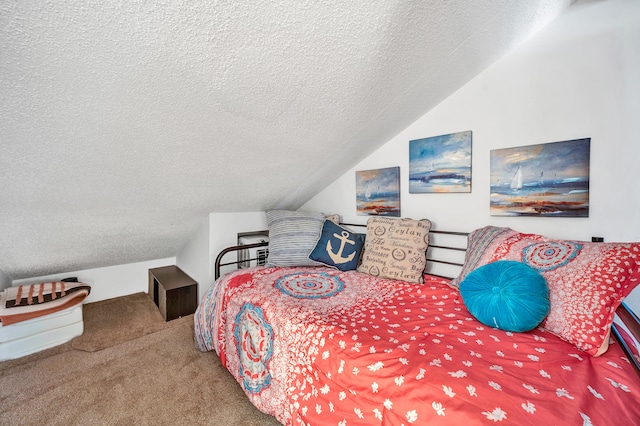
x,y
445,255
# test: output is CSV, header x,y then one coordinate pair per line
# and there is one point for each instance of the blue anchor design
x,y
337,257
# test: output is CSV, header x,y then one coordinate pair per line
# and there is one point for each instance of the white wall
x,y
224,229
218,231
195,256
111,281
579,77
5,281
576,78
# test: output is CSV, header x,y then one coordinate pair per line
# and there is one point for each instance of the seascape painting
x,y
378,192
440,164
550,179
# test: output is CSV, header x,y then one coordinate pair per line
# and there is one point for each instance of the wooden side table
x,y
174,292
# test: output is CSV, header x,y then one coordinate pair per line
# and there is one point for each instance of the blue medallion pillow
x,y
506,294
338,247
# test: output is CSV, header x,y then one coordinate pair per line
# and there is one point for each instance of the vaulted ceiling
x,y
124,123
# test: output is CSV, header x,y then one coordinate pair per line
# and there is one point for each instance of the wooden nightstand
x,y
174,292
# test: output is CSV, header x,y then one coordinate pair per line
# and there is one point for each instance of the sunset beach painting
x,y
440,164
378,192
550,179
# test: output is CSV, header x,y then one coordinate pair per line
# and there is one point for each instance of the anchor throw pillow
x,y
337,247
396,248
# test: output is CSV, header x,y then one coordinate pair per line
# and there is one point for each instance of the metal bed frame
x,y
434,255
439,253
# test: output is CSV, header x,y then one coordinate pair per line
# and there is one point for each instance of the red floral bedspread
x,y
318,346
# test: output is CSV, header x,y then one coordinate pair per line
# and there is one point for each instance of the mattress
x,y
34,335
320,346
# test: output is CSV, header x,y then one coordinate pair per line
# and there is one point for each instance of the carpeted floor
x,y
114,321
129,369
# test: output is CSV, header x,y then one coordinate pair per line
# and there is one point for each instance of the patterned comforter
x,y
317,346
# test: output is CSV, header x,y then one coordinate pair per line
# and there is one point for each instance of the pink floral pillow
x,y
587,281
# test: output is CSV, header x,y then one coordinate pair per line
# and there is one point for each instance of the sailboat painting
x,y
378,192
550,179
440,164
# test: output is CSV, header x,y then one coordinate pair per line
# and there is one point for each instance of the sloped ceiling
x,y
124,123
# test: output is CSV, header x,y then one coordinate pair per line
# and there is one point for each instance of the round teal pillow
x,y
506,294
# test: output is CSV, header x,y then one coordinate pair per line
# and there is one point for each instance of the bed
x,y
314,344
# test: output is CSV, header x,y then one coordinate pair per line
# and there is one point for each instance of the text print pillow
x,y
396,248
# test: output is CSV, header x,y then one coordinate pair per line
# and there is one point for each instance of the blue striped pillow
x,y
292,237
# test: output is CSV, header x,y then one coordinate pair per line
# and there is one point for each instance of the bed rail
x,y
626,324
219,264
445,256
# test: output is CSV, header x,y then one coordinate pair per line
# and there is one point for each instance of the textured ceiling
x,y
123,123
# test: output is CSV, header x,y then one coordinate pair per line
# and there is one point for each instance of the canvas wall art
x,y
550,179
378,192
440,164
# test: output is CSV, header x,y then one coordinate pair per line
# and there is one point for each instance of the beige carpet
x,y
118,320
158,378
